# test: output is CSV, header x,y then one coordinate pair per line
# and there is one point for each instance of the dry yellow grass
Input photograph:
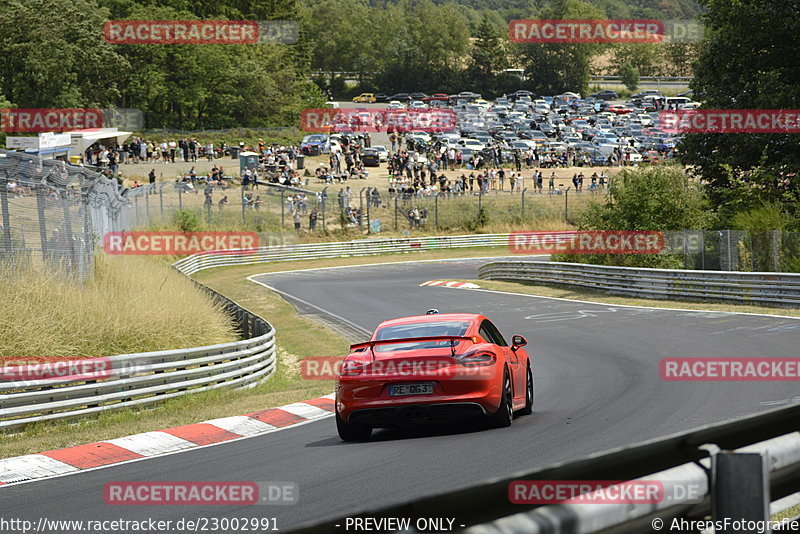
x,y
132,304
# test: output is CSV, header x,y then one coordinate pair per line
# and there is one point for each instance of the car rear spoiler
x,y
371,344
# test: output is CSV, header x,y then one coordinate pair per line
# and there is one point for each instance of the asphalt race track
x,y
597,387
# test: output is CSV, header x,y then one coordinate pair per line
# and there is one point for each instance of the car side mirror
x,y
518,341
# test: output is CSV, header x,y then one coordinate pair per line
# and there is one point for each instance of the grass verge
x,y
297,338
132,304
605,298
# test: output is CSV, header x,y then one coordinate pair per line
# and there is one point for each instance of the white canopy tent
x,y
83,139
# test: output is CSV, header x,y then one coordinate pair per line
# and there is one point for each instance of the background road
x,y
597,387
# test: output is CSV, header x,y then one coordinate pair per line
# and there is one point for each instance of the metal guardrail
x,y
128,380
772,289
643,78
681,459
361,247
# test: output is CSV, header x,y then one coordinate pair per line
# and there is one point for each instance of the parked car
x,y
606,94
401,97
365,98
371,157
442,97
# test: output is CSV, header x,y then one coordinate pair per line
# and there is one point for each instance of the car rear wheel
x,y
352,431
528,409
505,413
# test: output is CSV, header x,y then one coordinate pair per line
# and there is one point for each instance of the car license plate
x,y
411,389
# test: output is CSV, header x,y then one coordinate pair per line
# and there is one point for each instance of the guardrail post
x,y
740,489
566,204
436,210
161,199
180,198
395,211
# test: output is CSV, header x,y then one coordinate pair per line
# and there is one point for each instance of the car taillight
x,y
351,368
477,358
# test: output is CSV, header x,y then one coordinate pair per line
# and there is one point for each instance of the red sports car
x,y
433,367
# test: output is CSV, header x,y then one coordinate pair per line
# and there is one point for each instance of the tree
x,y
488,58
678,58
555,67
52,55
629,76
748,61
488,55
650,198
644,57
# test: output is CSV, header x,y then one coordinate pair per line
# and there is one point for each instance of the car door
x,y
490,332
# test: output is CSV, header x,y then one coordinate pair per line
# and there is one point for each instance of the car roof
x,y
464,317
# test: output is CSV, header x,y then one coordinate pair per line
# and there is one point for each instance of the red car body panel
x,y
437,96
455,384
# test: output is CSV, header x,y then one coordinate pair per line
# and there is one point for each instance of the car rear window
x,y
428,328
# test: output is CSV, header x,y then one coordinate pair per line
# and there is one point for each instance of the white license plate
x,y
411,389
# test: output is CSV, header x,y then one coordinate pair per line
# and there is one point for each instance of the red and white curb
x,y
137,446
446,283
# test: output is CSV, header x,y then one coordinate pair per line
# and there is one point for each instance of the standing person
x,y
209,190
297,221
152,176
539,182
193,176
512,180
552,182
312,220
173,147
112,162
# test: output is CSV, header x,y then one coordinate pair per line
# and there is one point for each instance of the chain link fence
x,y
736,250
52,213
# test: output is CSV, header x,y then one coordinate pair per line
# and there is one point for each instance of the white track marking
x,y
306,411
32,466
240,424
152,443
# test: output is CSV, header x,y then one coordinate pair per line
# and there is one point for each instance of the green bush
x,y
187,221
649,198
630,76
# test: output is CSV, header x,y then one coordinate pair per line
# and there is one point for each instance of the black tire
x,y
528,409
352,431
505,413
